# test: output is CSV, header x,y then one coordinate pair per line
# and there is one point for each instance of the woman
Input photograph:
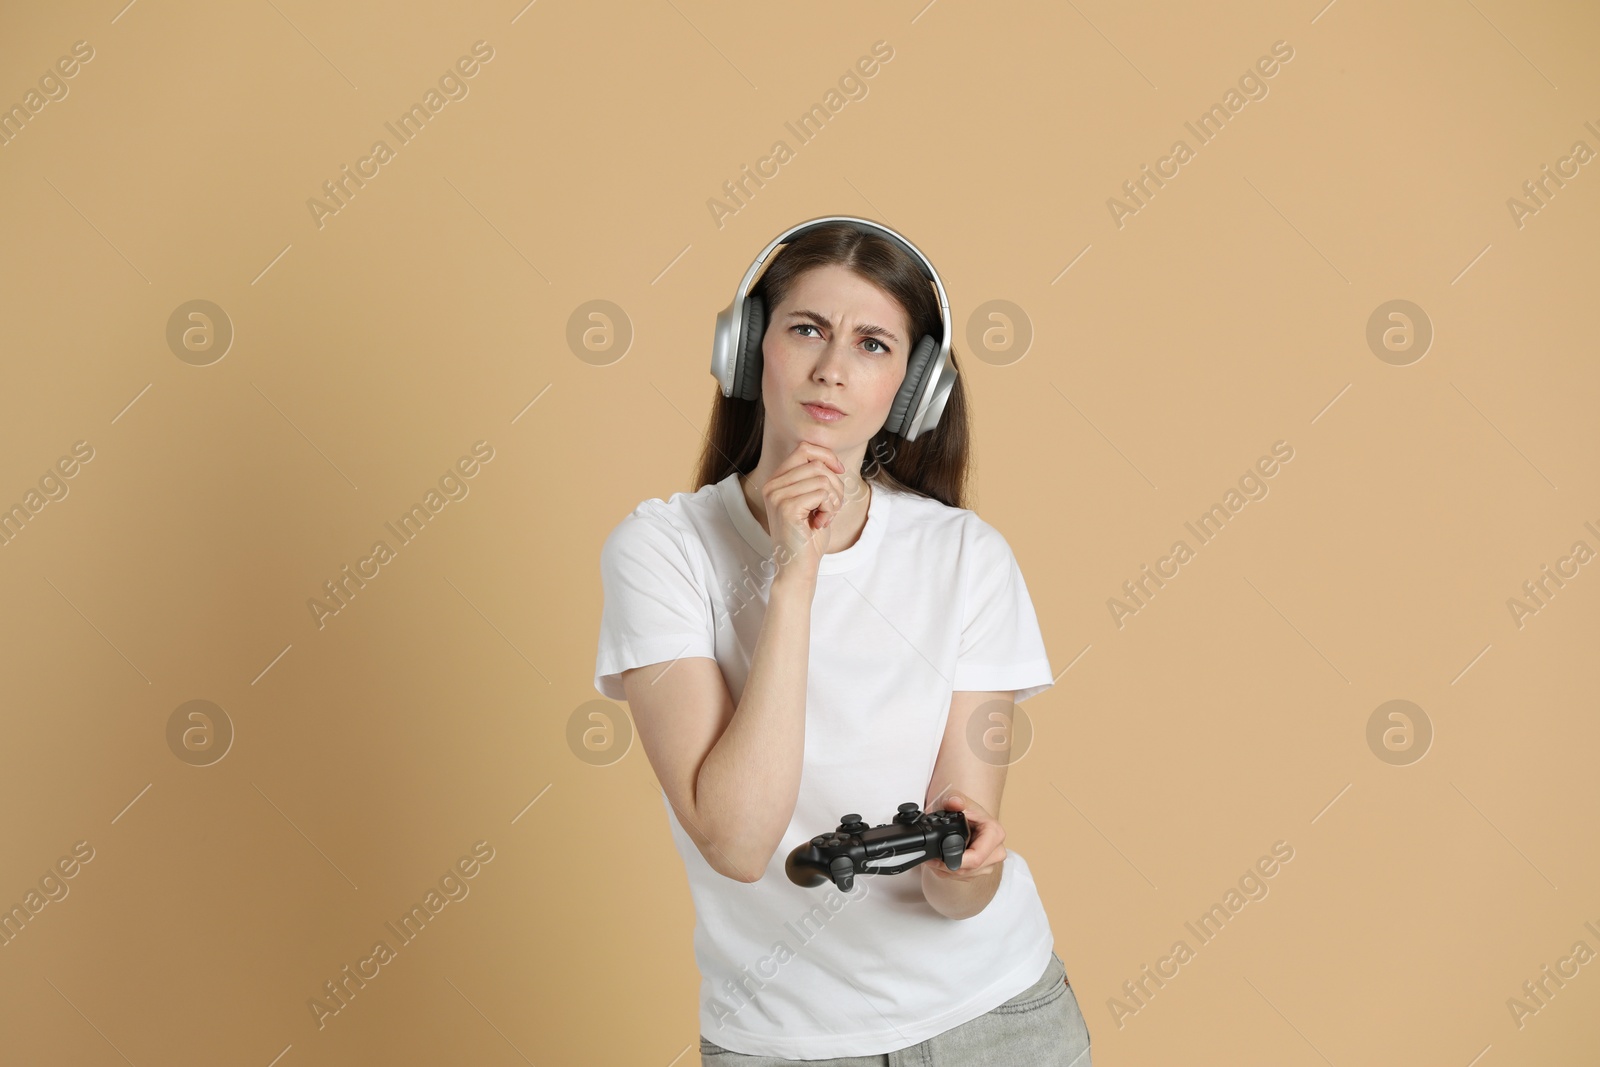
x,y
816,631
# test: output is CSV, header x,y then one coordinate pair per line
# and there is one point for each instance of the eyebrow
x,y
866,329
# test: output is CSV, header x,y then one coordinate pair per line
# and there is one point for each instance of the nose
x,y
830,364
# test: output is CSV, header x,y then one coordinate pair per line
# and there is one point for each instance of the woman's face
x,y
839,339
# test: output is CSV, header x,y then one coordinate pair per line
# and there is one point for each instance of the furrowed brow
x,y
866,329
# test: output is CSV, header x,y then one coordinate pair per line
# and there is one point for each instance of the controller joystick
x,y
841,855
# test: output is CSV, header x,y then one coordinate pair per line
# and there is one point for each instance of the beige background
x,y
433,309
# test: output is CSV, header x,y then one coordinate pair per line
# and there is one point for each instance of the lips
x,y
822,412
820,404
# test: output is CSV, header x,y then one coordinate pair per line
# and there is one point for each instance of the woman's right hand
x,y
803,497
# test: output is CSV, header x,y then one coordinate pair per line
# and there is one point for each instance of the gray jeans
x,y
1039,1027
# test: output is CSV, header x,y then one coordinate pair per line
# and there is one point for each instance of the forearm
x,y
959,898
746,790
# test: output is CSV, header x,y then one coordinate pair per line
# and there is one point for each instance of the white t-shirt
x,y
929,600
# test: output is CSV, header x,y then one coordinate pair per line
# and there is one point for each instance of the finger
x,y
824,458
978,852
809,482
825,453
811,468
800,507
986,837
993,859
981,854
836,496
812,491
837,482
806,450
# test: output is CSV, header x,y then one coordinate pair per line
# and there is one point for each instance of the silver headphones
x,y
736,347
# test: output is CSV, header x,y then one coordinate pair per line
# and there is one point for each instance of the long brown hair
x,y
935,464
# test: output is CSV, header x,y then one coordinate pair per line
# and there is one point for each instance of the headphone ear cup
x,y
747,365
916,370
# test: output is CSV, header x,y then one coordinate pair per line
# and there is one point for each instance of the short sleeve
x,y
655,607
1001,647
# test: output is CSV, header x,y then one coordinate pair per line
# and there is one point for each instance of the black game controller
x,y
842,854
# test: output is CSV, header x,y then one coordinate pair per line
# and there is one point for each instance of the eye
x,y
803,326
883,348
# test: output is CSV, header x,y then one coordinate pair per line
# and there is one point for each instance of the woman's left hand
x,y
984,849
